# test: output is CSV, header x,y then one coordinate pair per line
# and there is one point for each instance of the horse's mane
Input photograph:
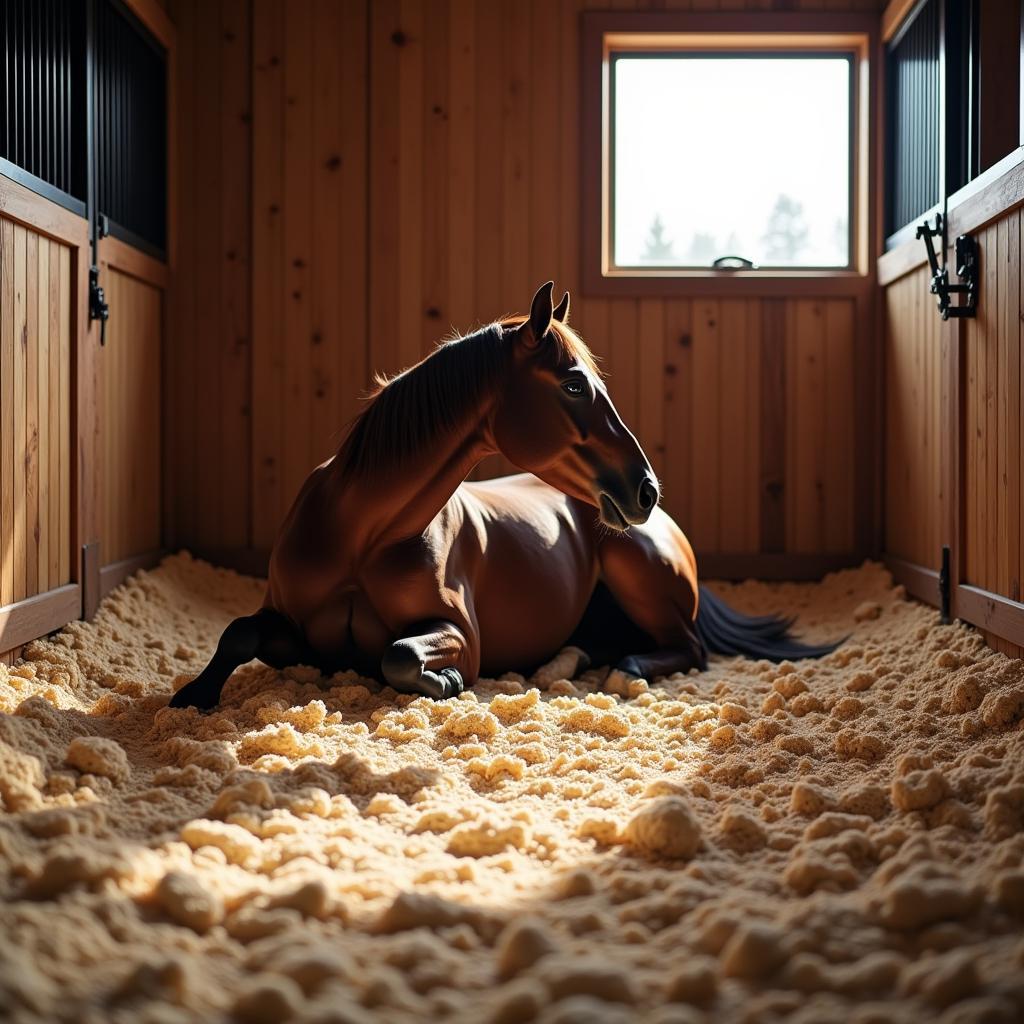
x,y
435,395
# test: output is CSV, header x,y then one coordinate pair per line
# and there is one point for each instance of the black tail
x,y
726,631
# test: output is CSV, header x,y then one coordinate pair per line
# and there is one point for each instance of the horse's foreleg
x,y
647,578
431,662
267,635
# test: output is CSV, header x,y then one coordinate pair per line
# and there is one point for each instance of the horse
x,y
392,563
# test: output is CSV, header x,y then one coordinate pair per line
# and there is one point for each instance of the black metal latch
x,y
98,308
966,269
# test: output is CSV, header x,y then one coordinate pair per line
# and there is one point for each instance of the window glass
x,y
731,155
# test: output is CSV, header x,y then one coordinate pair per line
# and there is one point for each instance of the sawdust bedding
x,y
835,840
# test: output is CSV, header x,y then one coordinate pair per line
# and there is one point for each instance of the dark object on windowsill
x,y
966,269
733,263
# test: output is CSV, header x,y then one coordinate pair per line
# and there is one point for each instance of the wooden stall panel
x,y
915,488
130,424
309,251
992,418
411,168
819,425
35,413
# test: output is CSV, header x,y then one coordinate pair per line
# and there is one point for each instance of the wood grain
x,y
35,355
428,178
130,419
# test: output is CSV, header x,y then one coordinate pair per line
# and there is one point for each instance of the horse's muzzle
x,y
620,515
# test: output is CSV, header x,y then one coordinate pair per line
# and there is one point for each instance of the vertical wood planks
x,y
20,349
352,345
1014,420
415,166
268,358
386,40
489,158
805,420
737,427
522,153
678,373
839,427
130,421
183,356
915,423
31,457
990,269
650,421
461,312
326,274
772,474
298,220
207,257
992,421
435,103
407,271
43,307
7,412
705,397
35,515
233,400
69,294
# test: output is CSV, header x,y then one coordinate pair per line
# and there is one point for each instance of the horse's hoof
x,y
441,685
182,699
453,681
630,667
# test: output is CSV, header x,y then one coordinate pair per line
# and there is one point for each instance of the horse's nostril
x,y
648,494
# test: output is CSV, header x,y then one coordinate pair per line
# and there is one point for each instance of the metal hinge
x,y
966,270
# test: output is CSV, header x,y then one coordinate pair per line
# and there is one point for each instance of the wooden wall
x,y
953,439
992,518
357,179
35,402
130,418
916,422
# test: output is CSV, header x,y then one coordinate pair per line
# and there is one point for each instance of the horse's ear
x,y
561,313
540,314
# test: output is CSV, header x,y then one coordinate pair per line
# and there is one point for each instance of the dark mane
x,y
435,395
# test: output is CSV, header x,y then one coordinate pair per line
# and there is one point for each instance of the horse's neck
x,y
384,506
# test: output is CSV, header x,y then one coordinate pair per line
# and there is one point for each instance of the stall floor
x,y
834,840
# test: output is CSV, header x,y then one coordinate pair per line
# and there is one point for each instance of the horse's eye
x,y
574,387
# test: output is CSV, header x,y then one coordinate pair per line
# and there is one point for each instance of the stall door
x,y
988,566
130,67
44,352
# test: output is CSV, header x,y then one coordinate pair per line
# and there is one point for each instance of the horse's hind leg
x,y
432,661
267,635
658,663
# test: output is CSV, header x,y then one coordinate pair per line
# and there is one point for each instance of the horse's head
x,y
554,418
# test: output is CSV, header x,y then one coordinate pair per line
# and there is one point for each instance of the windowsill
x,y
726,283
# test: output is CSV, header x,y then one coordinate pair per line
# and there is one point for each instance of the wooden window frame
x,y
603,31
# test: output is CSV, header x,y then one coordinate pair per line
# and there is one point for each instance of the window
x,y
731,146
730,155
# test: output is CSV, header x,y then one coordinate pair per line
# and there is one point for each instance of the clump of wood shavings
x,y
833,840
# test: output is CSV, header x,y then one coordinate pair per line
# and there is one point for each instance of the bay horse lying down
x,y
391,563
